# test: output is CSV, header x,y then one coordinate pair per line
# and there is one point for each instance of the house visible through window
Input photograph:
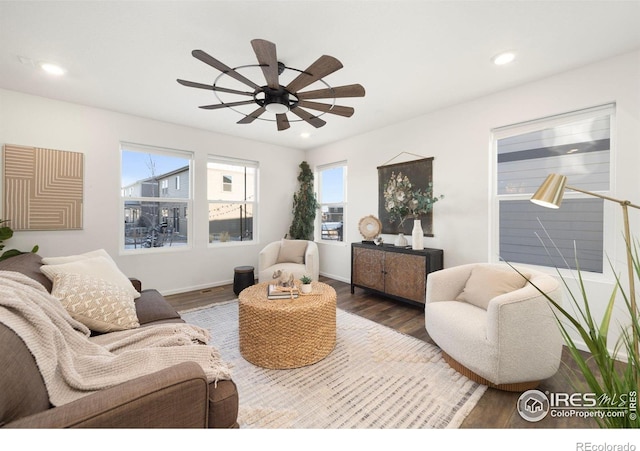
x,y
151,206
227,183
231,191
577,145
332,199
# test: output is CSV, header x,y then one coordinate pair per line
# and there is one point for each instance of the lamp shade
x,y
551,191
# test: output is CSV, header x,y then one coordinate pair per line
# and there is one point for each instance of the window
x,y
227,183
332,188
577,145
151,208
232,195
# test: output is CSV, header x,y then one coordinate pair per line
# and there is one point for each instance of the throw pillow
x,y
99,267
100,305
486,282
75,258
292,251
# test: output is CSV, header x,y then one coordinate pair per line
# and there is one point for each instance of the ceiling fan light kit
x,y
275,98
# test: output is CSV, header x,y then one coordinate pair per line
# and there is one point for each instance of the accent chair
x,y
300,257
493,325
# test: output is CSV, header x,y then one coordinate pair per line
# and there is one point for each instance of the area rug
x,y
375,378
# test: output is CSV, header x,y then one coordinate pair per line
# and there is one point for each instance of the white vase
x,y
305,288
400,241
417,235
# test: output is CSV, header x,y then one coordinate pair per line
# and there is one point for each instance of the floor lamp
x,y
550,195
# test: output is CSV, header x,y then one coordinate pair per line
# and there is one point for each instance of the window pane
x,y
332,185
145,174
547,237
154,224
580,150
577,145
230,182
230,222
331,223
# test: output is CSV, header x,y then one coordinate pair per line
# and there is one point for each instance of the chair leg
x,y
515,387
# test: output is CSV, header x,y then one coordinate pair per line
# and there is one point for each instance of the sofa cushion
x,y
28,264
96,303
223,404
101,267
292,251
153,308
485,283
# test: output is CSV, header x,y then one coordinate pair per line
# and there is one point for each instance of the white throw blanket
x,y
73,365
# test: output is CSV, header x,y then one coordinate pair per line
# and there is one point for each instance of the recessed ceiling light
x,y
52,69
504,58
305,135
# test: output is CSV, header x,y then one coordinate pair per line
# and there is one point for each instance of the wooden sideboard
x,y
396,272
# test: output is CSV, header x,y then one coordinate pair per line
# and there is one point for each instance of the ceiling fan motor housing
x,y
276,100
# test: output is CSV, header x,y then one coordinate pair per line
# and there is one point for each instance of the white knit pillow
x,y
96,303
100,267
75,258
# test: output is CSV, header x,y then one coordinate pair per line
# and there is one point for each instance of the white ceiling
x,y
412,57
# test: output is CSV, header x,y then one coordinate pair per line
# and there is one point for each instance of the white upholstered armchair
x,y
300,257
493,326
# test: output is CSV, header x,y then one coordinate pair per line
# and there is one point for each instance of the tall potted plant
x,y
305,205
613,381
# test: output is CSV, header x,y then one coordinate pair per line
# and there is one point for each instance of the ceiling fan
x,y
275,98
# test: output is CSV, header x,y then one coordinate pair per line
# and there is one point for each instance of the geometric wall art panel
x,y
43,188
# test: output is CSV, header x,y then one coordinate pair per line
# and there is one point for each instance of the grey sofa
x,y
177,397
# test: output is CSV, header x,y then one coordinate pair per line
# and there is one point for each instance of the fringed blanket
x,y
73,364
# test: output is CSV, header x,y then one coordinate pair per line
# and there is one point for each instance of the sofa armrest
x,y
446,284
137,284
268,256
312,260
523,316
176,397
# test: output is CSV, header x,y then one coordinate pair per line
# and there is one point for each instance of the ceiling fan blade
x,y
193,84
211,61
308,117
252,116
226,105
266,53
322,67
282,121
345,111
336,92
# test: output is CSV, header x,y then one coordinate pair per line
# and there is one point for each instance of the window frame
x,y
344,204
239,162
184,202
609,220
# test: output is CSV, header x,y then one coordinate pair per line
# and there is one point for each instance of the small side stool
x,y
242,278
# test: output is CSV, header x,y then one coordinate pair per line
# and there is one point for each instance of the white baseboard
x,y
333,276
196,287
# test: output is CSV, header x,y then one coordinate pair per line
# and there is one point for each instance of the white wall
x,y
459,140
36,121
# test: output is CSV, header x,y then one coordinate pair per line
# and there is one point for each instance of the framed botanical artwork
x,y
404,194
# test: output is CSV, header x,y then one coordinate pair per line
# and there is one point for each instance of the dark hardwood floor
x,y
496,409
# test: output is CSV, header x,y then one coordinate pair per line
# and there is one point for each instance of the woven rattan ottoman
x,y
287,333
